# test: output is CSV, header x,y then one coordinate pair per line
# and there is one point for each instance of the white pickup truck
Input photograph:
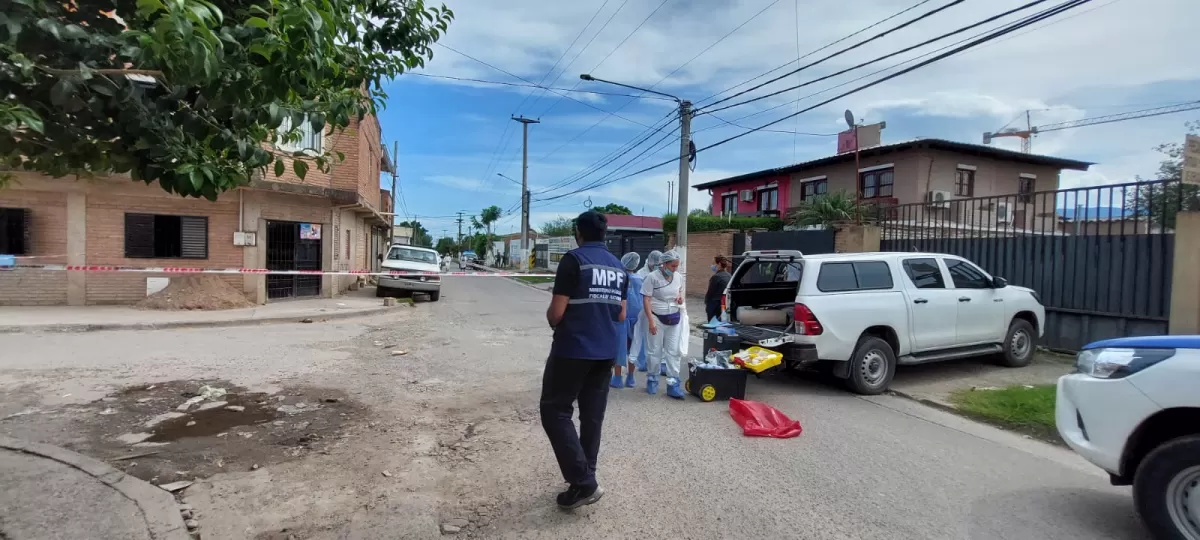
x,y
859,315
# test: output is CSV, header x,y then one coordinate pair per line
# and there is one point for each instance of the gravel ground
x,y
446,436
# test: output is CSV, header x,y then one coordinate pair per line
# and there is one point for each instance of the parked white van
x,y
859,315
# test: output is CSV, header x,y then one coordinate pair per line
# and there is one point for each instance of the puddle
x,y
217,420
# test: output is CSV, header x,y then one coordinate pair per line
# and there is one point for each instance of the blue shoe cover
x,y
629,382
674,391
615,382
651,385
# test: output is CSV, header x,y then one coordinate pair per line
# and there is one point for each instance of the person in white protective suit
x,y
662,301
637,339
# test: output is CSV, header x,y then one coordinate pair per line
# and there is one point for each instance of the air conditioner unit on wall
x,y
938,198
1004,213
747,195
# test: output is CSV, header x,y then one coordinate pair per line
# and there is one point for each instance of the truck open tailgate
x,y
763,336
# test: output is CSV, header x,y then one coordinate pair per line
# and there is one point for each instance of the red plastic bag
x,y
762,420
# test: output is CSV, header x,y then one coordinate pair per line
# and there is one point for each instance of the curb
x,y
158,507
927,402
80,328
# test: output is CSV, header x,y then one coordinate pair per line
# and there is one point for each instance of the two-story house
x,y
334,221
917,171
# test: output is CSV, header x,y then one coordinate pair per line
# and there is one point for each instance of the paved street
x,y
449,431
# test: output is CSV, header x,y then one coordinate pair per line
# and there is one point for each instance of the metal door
x,y
287,251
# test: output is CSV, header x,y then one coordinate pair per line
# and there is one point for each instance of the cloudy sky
x,y
455,137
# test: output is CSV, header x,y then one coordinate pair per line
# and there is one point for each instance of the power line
x,y
880,58
996,33
584,103
520,85
594,68
676,70
826,46
563,55
584,48
902,26
616,154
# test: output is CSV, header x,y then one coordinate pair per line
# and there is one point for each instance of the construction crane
x,y
1027,134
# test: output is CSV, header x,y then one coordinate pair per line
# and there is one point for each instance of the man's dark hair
x,y
591,226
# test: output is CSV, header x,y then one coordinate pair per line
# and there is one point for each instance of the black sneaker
x,y
574,497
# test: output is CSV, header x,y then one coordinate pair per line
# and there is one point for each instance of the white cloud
x,y
1110,53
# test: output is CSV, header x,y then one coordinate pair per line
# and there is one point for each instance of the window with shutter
x,y
139,236
149,236
193,232
15,227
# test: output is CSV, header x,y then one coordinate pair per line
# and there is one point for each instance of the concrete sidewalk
x,y
50,492
92,318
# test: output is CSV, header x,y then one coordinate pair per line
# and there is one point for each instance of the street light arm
x,y
587,77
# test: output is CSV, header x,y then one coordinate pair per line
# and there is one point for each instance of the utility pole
x,y
670,192
681,209
460,224
525,188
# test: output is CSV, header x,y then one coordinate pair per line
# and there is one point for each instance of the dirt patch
x,y
203,292
177,431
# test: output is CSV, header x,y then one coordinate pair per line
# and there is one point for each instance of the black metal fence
x,y
1099,257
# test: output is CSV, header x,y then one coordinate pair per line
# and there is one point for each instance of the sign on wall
x,y
310,231
557,247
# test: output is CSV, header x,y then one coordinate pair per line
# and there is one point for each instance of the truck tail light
x,y
724,303
806,321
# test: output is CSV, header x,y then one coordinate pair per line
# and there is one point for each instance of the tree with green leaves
x,y
446,246
559,226
185,92
1160,201
489,216
421,236
829,209
614,208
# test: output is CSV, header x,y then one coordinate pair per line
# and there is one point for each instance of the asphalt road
x,y
454,423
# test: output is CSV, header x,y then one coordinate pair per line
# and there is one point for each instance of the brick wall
x,y
49,237
106,239
702,249
856,238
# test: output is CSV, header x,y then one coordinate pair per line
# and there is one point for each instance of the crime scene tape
x,y
263,271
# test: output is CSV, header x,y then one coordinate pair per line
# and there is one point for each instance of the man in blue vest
x,y
588,304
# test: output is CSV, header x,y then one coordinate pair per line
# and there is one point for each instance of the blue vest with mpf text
x,y
588,330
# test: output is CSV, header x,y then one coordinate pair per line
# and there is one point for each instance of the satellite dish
x,y
849,118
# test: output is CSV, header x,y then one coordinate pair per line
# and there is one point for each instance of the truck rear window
x,y
854,276
760,272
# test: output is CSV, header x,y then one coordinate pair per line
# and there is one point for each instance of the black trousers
x,y
712,309
565,381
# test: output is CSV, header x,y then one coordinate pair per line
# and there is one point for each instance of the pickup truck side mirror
x,y
999,282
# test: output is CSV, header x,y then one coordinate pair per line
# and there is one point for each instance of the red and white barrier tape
x,y
187,270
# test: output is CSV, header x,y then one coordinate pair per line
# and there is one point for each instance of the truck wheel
x,y
1018,344
872,366
433,296
1166,489
380,292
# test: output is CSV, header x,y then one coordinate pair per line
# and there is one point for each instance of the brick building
x,y
334,221
917,171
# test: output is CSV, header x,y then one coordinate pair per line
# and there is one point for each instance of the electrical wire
x,y
877,59
584,103
564,55
880,35
612,156
520,85
992,34
676,70
815,51
580,52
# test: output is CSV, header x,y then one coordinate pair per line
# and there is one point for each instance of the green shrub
x,y
717,223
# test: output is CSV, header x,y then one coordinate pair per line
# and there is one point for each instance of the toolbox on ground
x,y
712,384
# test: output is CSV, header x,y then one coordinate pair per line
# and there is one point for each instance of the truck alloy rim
x,y
1020,343
874,365
1183,502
